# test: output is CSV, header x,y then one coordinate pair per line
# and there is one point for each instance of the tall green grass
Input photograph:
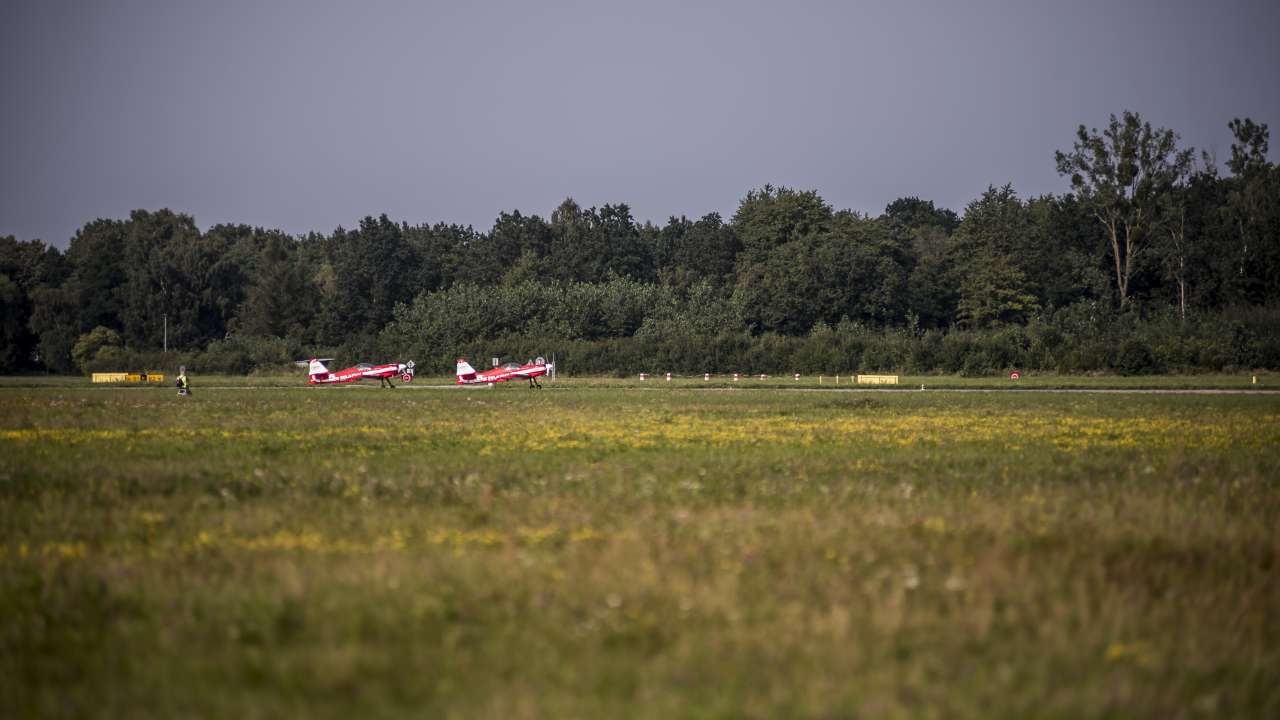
x,y
595,550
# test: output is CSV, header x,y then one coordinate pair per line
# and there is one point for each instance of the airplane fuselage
x,y
355,374
497,375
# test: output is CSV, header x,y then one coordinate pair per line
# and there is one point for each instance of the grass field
x,y
605,549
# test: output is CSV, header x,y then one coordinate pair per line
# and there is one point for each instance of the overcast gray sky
x,y
309,115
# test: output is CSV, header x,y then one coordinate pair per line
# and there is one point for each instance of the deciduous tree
x,y
1120,174
987,254
1254,204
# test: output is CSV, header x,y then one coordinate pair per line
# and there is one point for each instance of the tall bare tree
x,y
1247,198
1120,173
1174,224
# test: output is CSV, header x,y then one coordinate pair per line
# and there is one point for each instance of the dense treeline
x,y
1155,260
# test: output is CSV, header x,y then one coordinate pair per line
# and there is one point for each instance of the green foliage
x,y
439,325
995,292
988,252
1134,357
1121,173
848,266
280,298
697,334
1253,208
595,245
165,274
691,252
26,268
771,217
915,214
91,345
55,321
97,252
1249,147
529,268
14,340
699,312
489,258
239,354
373,270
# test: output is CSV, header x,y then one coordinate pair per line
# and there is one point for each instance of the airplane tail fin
x,y
316,370
465,371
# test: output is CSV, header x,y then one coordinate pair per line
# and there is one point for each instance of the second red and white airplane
x,y
318,374
530,371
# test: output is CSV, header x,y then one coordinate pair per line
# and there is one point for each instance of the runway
x,y
1097,391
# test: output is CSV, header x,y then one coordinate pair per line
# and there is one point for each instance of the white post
x,y
735,377
797,377
668,377
706,377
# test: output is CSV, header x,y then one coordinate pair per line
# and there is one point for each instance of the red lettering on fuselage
x,y
352,374
503,374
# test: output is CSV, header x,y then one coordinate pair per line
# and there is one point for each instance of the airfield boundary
x,y
1240,381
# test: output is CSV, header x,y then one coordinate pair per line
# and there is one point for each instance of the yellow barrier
x,y
119,377
877,379
110,377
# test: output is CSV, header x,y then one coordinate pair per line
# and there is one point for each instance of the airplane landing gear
x,y
533,383
386,382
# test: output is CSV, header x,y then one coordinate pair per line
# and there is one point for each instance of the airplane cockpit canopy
x,y
512,366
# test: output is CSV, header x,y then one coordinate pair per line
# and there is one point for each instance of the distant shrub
x,y
89,347
1134,357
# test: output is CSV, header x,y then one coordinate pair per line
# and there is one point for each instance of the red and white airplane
x,y
530,371
318,374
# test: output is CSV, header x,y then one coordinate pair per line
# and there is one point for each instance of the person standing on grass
x,y
184,386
